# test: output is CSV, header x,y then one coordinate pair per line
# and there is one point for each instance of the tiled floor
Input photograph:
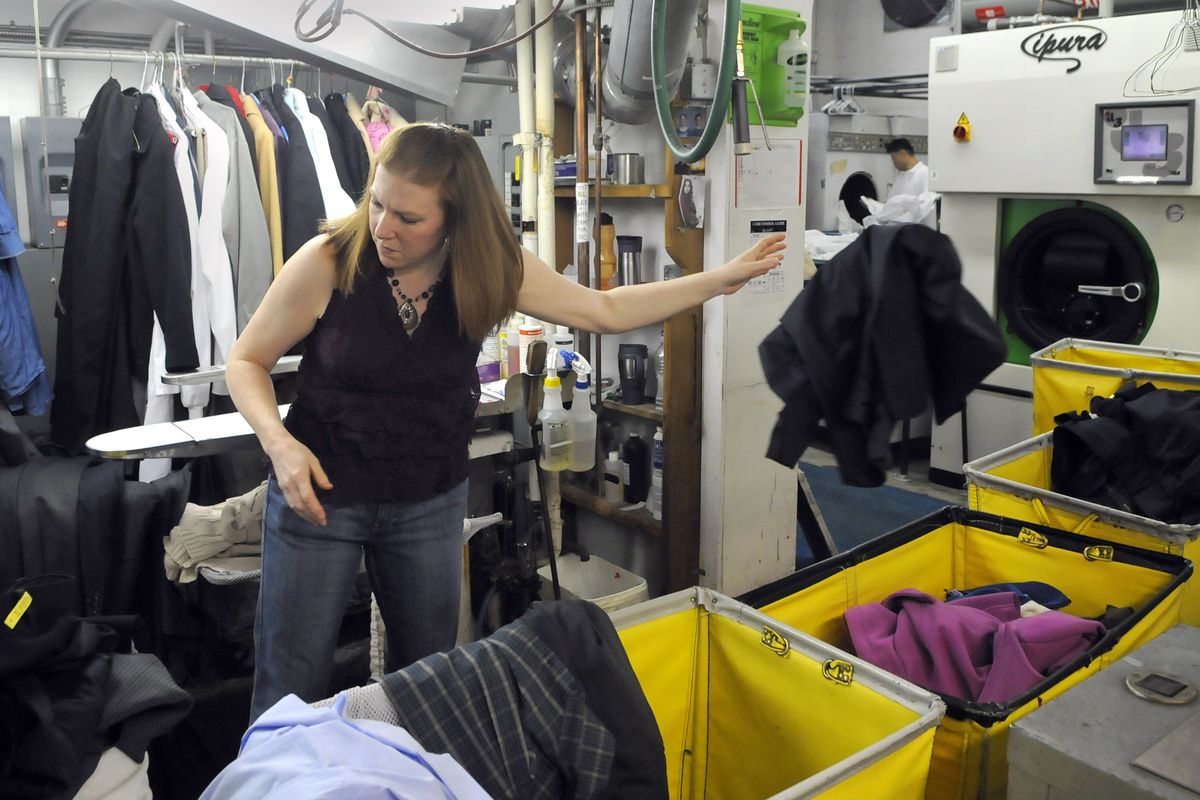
x,y
916,481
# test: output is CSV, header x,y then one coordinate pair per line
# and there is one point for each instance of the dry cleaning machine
x,y
1065,158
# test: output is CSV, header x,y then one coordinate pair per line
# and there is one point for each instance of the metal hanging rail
x,y
198,59
900,87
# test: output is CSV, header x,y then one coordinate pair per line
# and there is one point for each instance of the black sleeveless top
x,y
388,415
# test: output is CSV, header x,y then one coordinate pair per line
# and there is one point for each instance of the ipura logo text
x,y
1063,43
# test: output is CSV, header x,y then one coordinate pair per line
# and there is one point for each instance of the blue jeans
x,y
414,562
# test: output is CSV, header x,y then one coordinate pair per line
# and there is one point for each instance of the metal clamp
x,y
1131,292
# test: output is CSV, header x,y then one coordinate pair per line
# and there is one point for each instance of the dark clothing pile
x,y
881,331
1137,452
70,689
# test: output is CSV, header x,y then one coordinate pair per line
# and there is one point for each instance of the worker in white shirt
x,y
912,176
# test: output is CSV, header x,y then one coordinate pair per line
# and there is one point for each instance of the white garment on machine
x,y
337,202
913,181
222,308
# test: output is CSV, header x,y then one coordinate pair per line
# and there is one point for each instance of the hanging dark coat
x,y
358,160
881,331
127,258
300,193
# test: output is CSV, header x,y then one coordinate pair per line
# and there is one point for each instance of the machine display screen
x,y
1144,143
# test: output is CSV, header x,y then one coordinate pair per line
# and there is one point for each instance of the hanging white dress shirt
x,y
337,202
214,256
158,394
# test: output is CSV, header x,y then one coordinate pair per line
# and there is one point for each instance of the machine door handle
x,y
1130,292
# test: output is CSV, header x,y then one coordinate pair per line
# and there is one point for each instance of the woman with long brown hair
x,y
392,304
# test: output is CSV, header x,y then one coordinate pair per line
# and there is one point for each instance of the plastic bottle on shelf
x,y
635,465
608,253
562,338
613,477
655,501
502,349
660,369
529,333
513,356
793,57
556,427
583,429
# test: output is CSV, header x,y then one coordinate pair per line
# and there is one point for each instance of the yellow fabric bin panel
x,y
746,716
1015,482
1070,372
961,549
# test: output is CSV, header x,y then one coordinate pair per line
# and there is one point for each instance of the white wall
x,y
850,42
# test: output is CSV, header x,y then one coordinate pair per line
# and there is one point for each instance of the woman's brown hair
x,y
485,259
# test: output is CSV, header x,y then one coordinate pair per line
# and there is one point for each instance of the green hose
x,y
725,70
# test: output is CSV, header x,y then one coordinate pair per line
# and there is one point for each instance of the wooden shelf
x,y
584,499
658,191
645,410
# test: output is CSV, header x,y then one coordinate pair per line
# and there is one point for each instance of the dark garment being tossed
x,y
548,707
976,648
882,330
1139,454
388,416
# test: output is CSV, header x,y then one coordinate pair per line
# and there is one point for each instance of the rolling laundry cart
x,y
960,549
751,709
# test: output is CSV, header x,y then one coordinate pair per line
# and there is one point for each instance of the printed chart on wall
x,y
773,281
769,178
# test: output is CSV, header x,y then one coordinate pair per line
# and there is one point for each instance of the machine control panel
x,y
871,142
1145,144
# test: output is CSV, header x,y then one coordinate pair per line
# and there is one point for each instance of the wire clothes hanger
x,y
1156,77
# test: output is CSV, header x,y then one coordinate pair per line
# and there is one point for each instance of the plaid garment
x,y
510,712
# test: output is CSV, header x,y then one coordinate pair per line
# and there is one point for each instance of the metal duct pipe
x,y
972,22
55,104
162,36
628,87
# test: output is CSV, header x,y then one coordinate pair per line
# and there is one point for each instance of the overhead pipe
x,y
628,87
525,137
582,250
543,51
55,102
164,34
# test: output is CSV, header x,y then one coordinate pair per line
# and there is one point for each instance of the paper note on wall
x,y
838,166
773,281
769,178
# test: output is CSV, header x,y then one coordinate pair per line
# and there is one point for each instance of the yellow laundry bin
x,y
956,548
750,709
1070,372
1015,482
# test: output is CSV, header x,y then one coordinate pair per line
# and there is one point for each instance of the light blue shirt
x,y
296,751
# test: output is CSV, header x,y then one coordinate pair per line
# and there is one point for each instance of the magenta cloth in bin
x,y
975,648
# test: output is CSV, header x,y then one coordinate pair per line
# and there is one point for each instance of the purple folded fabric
x,y
975,648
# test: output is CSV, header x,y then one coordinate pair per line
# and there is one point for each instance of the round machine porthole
x,y
913,13
856,187
1075,272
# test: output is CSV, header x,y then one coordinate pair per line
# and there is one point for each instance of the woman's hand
x,y
295,470
760,259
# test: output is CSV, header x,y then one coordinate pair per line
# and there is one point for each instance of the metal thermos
x,y
629,168
631,362
629,260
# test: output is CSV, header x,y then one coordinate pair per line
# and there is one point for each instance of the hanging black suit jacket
x,y
358,160
126,259
301,204
880,331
